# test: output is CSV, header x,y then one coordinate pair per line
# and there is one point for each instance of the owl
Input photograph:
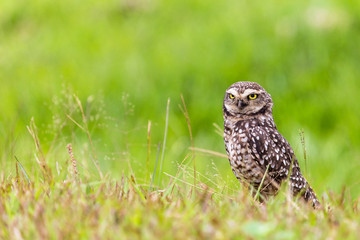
x,y
258,154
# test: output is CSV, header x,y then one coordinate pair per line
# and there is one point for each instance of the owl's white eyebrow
x,y
249,91
233,92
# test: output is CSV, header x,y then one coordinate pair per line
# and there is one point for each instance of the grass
x,y
66,208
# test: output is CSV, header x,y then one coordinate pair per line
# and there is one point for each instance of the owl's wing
x,y
270,148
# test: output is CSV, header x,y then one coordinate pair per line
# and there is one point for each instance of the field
x,y
111,117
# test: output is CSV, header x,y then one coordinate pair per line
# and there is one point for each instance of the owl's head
x,y
244,99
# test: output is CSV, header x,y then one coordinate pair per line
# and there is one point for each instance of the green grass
x,y
124,59
69,205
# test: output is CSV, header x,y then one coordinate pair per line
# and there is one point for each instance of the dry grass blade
x,y
217,154
218,130
186,114
46,171
76,123
302,139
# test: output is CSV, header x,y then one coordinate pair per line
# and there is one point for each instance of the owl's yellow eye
x,y
231,96
253,96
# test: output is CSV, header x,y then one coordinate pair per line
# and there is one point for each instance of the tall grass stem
x,y
164,142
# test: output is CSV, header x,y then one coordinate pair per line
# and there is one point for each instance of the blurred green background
x,y
124,59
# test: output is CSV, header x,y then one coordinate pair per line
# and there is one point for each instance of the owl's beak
x,y
241,104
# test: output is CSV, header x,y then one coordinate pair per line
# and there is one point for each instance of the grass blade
x,y
186,114
261,183
23,170
95,161
148,152
156,163
164,143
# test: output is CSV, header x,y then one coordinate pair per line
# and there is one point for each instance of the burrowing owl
x,y
255,147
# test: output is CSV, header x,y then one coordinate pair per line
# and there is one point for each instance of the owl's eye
x,y
253,96
231,96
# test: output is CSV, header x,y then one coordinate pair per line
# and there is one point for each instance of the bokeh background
x,y
125,58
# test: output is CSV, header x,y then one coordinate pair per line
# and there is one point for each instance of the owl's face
x,y
246,98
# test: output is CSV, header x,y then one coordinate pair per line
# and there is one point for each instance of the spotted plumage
x,y
255,147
